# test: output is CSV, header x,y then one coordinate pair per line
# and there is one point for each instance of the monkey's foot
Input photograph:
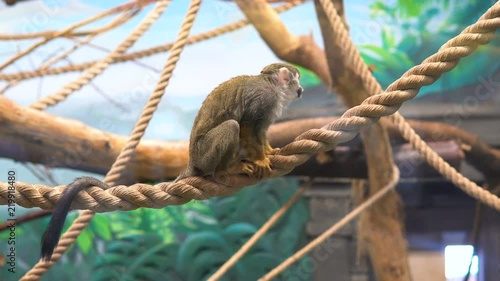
x,y
263,167
247,168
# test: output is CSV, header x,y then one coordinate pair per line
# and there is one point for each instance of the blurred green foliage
x,y
308,78
190,242
187,242
413,30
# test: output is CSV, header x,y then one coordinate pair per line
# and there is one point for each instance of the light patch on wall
x,y
457,259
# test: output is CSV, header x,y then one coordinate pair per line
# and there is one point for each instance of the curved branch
x,y
301,50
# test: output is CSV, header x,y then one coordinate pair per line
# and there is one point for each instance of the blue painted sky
x,y
208,63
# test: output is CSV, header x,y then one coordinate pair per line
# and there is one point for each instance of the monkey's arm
x,y
51,236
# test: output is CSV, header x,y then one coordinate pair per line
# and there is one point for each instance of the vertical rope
x,y
82,221
155,98
325,235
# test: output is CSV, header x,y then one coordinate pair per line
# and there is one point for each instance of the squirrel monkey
x,y
228,135
229,132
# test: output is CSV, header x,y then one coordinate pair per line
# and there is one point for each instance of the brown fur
x,y
229,132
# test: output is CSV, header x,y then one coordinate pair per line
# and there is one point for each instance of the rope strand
x,y
117,22
99,67
143,53
57,34
84,218
49,34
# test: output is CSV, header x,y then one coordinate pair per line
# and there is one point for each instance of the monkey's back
x,y
233,99
248,101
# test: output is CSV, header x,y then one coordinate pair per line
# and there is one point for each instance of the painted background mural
x,y
392,36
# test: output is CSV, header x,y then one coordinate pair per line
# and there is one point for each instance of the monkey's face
x,y
287,78
290,83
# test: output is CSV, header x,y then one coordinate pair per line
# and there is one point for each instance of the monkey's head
x,y
287,78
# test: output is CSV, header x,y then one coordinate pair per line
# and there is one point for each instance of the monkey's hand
x,y
263,167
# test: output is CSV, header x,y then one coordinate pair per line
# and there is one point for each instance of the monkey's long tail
x,y
51,236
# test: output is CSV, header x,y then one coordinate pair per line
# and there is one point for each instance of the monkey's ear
x,y
284,76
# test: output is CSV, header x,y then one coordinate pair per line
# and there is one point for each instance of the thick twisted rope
x,y
82,221
426,73
294,154
57,34
143,53
334,228
97,68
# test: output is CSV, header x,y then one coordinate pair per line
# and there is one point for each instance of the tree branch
x,y
29,135
301,50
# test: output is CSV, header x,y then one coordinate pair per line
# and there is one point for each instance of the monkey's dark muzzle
x,y
299,91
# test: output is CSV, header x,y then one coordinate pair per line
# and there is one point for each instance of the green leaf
x,y
410,8
101,225
84,241
391,60
388,40
380,8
